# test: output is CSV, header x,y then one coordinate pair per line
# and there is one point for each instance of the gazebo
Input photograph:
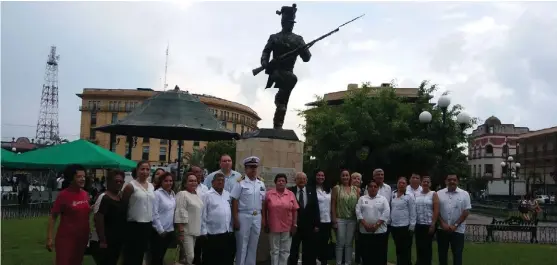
x,y
170,115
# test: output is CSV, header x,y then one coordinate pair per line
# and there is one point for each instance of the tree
x,y
214,150
195,158
384,131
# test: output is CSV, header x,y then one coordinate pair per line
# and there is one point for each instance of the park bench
x,y
513,224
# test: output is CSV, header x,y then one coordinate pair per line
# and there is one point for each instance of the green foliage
x,y
389,127
195,158
213,152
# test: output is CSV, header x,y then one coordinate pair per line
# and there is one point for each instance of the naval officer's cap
x,y
252,161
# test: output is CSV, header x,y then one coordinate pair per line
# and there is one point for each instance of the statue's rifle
x,y
297,51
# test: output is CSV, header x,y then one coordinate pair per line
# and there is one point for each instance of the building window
x,y
92,134
93,118
505,150
223,123
222,115
195,143
474,171
489,149
490,130
145,153
162,154
164,142
127,106
146,140
234,127
242,128
488,169
114,118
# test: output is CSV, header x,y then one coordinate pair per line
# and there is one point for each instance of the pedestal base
x,y
280,151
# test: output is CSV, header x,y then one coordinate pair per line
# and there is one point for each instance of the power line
x,y
31,137
17,125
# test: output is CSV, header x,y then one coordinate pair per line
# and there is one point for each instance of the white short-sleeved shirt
x,y
451,206
250,194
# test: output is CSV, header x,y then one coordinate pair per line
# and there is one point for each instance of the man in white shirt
x,y
216,224
454,207
415,187
385,191
247,195
230,176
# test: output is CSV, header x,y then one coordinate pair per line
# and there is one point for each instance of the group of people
x,y
218,219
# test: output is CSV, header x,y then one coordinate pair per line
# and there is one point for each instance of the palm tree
x,y
195,158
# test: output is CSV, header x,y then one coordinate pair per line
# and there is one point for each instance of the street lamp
x,y
14,149
510,169
462,119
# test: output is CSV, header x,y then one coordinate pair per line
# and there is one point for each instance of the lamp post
x,y
462,119
14,149
510,168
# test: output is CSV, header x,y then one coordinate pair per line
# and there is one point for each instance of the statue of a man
x,y
282,75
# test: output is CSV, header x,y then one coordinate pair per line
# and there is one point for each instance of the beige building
x,y
106,106
537,153
337,98
487,148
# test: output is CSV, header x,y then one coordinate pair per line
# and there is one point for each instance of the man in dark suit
x,y
308,222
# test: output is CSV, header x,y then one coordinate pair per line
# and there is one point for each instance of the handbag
x,y
177,255
93,244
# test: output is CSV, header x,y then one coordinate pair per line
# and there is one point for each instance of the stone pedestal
x,y
280,151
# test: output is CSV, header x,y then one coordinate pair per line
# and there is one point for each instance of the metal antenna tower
x,y
165,85
48,131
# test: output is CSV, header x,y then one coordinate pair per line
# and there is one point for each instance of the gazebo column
x,y
129,140
180,143
112,140
169,151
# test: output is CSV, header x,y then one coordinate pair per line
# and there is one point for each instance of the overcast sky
x,y
495,58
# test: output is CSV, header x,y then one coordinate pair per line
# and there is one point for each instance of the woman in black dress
x,y
110,219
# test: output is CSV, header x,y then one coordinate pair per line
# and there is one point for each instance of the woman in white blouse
x,y
188,218
403,221
373,212
324,200
138,196
163,218
427,211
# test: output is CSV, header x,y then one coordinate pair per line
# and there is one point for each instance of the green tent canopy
x,y
80,152
7,156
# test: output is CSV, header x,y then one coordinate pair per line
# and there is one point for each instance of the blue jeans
x,y
345,236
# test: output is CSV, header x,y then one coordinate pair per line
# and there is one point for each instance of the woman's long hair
x,y
326,184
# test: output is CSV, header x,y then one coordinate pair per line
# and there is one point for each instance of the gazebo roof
x,y
171,115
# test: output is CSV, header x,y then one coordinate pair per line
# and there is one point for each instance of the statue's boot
x,y
278,119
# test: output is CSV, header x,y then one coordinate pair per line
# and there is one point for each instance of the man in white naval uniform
x,y
247,195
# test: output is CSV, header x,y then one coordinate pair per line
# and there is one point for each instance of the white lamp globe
x,y
425,117
444,101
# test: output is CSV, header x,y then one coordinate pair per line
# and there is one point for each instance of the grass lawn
x,y
23,244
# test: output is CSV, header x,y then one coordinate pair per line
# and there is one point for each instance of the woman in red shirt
x,y
72,204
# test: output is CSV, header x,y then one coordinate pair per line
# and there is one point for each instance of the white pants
x,y
280,247
247,238
345,236
187,250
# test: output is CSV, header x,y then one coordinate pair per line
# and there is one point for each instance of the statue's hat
x,y
288,13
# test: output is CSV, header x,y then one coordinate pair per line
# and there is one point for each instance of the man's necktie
x,y
301,199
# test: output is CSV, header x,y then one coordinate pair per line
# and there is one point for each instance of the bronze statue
x,y
286,47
